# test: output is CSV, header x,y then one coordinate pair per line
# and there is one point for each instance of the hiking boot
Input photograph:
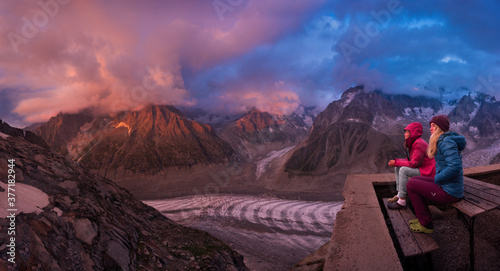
x,y
393,199
395,206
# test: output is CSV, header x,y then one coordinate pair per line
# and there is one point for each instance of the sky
x,y
227,56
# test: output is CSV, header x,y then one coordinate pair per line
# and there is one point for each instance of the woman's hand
x,y
391,163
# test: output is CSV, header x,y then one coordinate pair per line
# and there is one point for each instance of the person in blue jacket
x,y
447,186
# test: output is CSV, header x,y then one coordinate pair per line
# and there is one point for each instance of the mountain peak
x,y
351,92
256,120
147,140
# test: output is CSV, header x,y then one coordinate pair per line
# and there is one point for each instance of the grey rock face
x,y
90,223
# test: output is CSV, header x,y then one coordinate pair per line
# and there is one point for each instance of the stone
x,y
85,230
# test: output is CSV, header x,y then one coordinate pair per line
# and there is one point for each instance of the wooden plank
x,y
407,242
424,240
482,192
482,199
487,187
468,208
411,243
483,189
480,202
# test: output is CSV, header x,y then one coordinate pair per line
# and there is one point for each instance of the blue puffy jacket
x,y
449,169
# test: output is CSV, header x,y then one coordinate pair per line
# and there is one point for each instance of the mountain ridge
x,y
253,136
142,141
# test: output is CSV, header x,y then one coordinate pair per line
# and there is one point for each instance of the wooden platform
x,y
412,244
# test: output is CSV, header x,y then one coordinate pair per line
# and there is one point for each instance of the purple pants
x,y
421,188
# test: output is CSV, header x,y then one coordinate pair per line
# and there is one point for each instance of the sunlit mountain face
x,y
227,57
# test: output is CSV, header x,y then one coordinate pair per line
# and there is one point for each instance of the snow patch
x,y
445,110
350,96
481,157
407,112
28,199
123,124
264,162
308,121
473,129
424,113
4,136
58,211
474,113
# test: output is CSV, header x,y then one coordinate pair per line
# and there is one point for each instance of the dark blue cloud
x,y
7,104
424,43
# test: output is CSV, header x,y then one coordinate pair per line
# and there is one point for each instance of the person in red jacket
x,y
417,163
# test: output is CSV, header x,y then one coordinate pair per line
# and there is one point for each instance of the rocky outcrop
x,y
5,128
71,219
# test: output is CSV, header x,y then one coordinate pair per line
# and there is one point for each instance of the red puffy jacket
x,y
418,152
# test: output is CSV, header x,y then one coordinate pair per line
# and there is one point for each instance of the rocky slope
x,y
344,147
71,219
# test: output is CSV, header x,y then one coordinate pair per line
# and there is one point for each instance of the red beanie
x,y
441,121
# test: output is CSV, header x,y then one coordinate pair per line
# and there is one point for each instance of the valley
x,y
271,233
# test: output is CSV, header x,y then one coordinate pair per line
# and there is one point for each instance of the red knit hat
x,y
441,121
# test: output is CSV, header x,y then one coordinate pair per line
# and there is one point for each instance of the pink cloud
x,y
101,54
277,99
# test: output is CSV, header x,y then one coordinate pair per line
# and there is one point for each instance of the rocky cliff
x,y
61,129
68,218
